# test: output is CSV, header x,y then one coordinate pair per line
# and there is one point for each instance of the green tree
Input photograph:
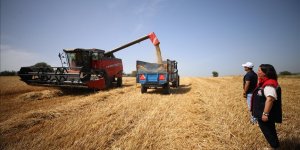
x,y
41,65
285,73
8,73
215,74
133,73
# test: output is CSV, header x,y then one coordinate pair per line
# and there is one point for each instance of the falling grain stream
x,y
158,54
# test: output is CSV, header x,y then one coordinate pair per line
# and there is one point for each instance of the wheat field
x,y
204,113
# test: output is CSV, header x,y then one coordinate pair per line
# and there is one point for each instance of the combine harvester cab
x,y
90,68
155,75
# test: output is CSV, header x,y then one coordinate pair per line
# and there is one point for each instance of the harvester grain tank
x,y
91,68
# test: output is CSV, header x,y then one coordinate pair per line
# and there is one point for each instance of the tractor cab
x,y
82,58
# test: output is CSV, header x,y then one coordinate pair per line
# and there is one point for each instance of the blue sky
x,y
202,35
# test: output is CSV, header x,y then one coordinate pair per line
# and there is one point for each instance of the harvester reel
x,y
24,74
61,78
41,74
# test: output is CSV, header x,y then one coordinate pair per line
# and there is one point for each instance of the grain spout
x,y
158,54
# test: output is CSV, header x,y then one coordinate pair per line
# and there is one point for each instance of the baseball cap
x,y
248,64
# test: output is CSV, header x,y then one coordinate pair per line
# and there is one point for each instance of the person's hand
x,y
264,118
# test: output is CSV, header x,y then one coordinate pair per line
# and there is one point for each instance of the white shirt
x,y
270,91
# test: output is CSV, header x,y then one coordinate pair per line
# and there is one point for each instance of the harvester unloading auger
x,y
91,68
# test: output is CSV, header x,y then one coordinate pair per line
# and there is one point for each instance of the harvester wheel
x,y
143,89
108,82
119,81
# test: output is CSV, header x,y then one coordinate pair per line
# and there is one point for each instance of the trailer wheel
x,y
166,88
143,89
178,81
119,81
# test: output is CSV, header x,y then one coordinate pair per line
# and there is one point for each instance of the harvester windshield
x,y
78,58
72,59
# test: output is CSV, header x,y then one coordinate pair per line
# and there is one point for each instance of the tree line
x,y
132,74
14,73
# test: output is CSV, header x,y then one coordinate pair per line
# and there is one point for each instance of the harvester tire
x,y
108,82
119,82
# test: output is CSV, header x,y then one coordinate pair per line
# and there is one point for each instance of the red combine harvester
x,y
91,68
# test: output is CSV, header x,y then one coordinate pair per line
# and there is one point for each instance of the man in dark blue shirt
x,y
249,84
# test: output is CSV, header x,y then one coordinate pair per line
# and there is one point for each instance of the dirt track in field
x,y
204,113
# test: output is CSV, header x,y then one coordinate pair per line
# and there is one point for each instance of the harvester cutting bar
x,y
51,75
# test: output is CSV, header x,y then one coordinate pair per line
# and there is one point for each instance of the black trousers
x,y
269,131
